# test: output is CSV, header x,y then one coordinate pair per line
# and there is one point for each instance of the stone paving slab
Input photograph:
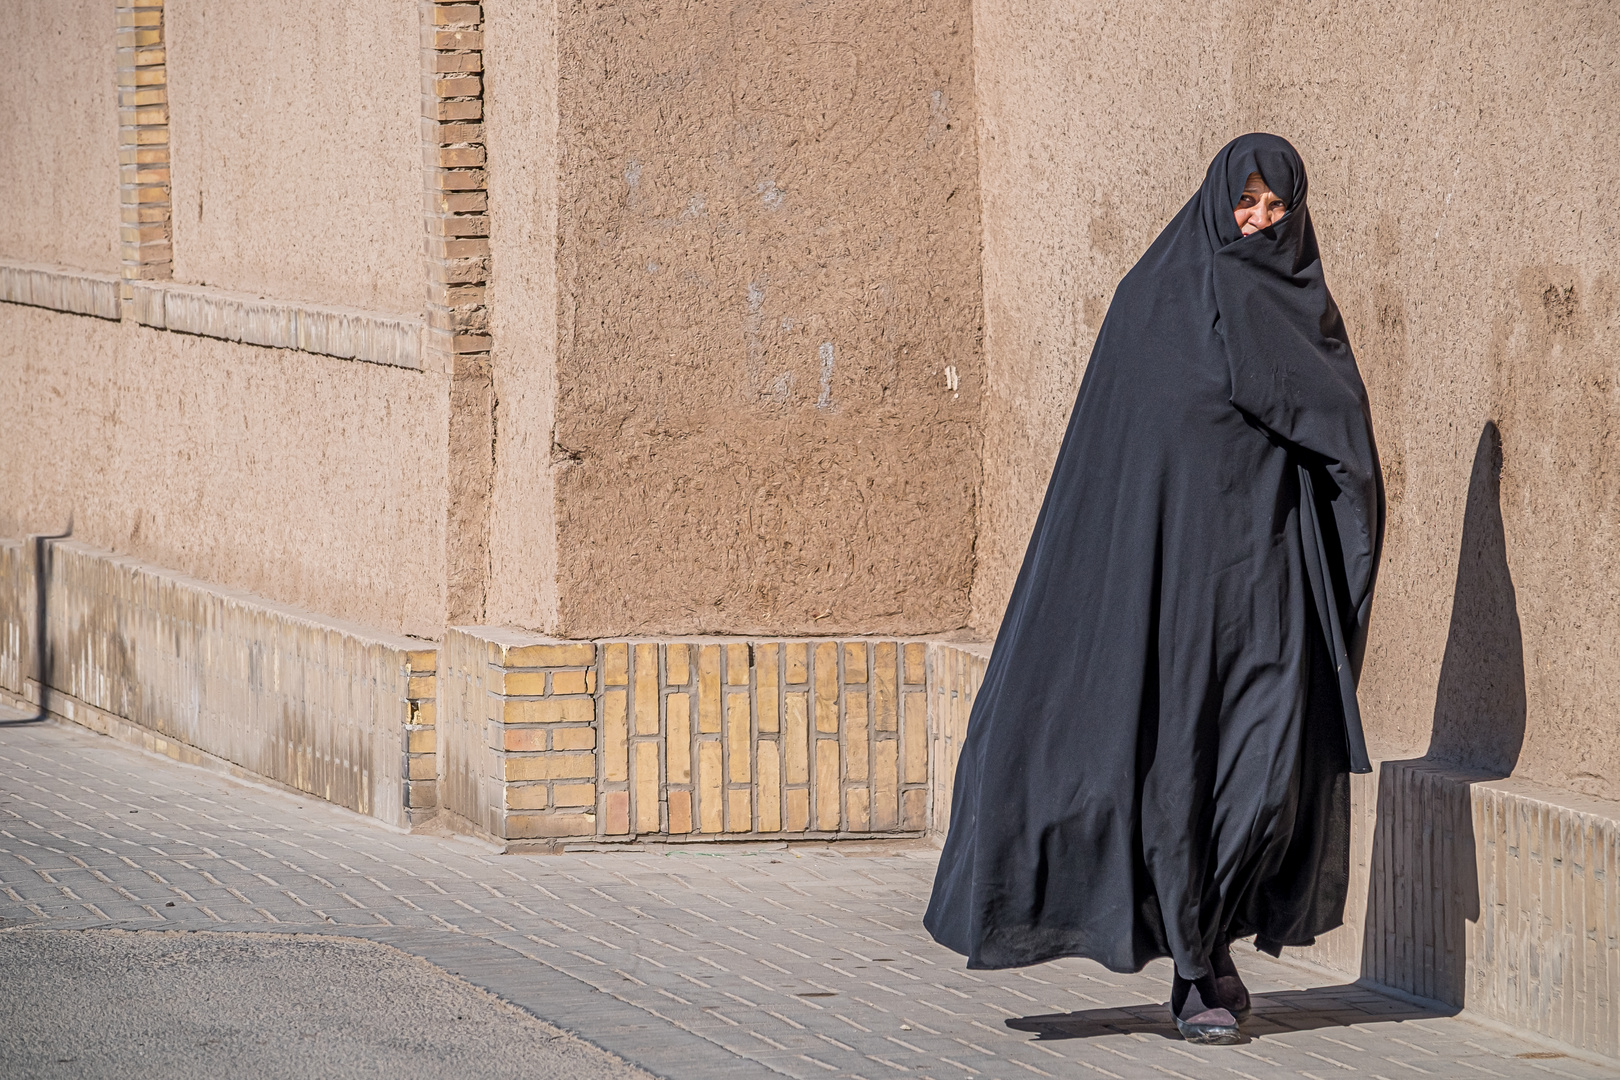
x,y
691,962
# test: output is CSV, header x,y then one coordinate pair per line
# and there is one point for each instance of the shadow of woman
x,y
1275,1012
1423,884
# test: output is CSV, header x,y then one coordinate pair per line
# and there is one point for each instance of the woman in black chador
x,y
1157,760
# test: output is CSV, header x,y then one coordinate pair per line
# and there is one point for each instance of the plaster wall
x,y
767,262
296,151
59,167
1456,155
520,111
310,480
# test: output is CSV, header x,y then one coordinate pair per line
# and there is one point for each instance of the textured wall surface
x,y
320,706
296,154
59,166
520,107
314,481
1478,286
768,261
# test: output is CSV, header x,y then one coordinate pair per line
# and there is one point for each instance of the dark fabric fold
x,y
1157,756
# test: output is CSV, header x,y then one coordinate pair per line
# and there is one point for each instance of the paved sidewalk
x,y
692,963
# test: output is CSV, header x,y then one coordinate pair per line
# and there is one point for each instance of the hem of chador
x,y
1267,945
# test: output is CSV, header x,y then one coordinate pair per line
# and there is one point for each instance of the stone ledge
x,y
1498,896
348,333
331,709
58,288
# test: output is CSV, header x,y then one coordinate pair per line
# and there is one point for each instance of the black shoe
x,y
1229,988
1199,1015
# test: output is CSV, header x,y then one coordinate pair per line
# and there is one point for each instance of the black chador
x,y
1157,760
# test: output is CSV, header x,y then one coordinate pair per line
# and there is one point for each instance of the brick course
x,y
143,144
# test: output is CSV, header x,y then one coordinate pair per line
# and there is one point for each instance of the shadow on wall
x,y
1423,886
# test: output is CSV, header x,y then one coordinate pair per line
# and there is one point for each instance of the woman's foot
x,y
1229,988
1199,1014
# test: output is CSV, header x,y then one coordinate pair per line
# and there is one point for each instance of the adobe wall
x,y
59,168
767,262
297,158
311,480
1453,154
520,107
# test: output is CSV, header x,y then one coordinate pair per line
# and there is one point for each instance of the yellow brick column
x,y
143,146
542,733
457,340
420,773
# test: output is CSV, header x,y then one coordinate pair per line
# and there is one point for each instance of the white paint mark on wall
x,y
770,194
939,116
827,357
695,207
632,173
952,382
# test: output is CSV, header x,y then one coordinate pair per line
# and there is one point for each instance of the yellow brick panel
x,y
680,812
709,688
616,813
615,736
798,662
523,826
827,687
855,661
421,686
573,738
678,723
552,766
573,654
765,664
527,796
856,753
523,739
770,787
858,809
738,738
739,810
646,785
736,665
884,687
424,712
798,810
886,785
615,664
796,749
678,662
827,790
519,683
424,767
423,741
549,711
913,809
423,660
573,794
646,689
571,682
915,736
709,787
916,663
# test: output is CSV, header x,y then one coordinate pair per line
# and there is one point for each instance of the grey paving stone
x,y
807,962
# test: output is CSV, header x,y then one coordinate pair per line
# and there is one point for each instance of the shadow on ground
x,y
1275,1013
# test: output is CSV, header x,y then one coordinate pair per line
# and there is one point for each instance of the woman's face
x,y
1259,207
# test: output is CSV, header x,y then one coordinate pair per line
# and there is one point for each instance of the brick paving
x,y
692,962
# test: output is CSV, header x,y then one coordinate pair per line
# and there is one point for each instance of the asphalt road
x,y
176,1005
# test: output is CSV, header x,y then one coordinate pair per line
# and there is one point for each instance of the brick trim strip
x,y
457,340
143,143
348,333
60,289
